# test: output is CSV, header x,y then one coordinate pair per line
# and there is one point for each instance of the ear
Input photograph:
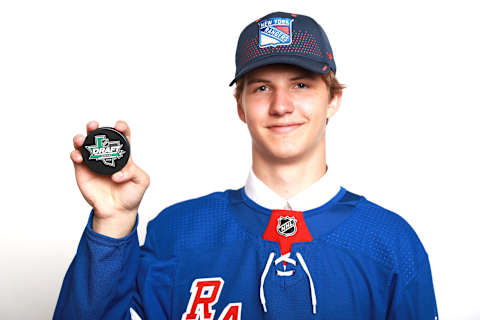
x,y
334,104
241,113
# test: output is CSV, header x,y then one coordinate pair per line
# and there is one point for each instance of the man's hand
x,y
115,198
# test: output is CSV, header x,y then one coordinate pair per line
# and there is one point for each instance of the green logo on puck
x,y
105,150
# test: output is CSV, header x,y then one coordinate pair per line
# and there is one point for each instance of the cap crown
x,y
281,37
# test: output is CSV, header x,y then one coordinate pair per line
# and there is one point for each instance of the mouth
x,y
286,128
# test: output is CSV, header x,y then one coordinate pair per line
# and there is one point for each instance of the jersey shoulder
x,y
381,234
203,221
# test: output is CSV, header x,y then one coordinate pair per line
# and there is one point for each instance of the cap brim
x,y
300,61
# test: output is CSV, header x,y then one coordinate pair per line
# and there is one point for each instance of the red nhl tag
x,y
287,227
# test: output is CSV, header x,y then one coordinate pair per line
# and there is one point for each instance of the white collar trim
x,y
317,194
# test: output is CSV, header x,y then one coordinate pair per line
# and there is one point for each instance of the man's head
x,y
286,74
280,94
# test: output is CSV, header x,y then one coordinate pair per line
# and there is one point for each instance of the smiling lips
x,y
284,128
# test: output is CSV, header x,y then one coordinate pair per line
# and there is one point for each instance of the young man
x,y
291,244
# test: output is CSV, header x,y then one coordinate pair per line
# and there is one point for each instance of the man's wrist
x,y
117,226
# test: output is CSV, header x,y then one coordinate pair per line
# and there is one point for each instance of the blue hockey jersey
x,y
223,256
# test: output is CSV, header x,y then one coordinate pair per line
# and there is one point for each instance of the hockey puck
x,y
105,151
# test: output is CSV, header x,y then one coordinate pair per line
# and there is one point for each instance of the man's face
x,y
278,95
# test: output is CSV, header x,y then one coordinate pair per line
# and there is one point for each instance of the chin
x,y
278,149
285,153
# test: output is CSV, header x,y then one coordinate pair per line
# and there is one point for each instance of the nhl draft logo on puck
x,y
274,32
287,226
105,150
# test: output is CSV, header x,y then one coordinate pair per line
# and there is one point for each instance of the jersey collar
x,y
317,194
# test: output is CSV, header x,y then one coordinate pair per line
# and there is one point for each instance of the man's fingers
x,y
78,140
122,126
76,156
91,125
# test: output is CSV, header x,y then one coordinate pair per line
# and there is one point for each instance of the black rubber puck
x,y
105,150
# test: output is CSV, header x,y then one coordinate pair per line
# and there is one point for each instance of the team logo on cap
x,y
287,226
105,150
274,32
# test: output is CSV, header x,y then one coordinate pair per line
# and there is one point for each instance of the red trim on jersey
x,y
285,243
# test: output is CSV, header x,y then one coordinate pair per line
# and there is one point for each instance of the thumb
x,y
131,172
120,176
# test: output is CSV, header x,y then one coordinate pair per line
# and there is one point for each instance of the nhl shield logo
x,y
287,226
274,32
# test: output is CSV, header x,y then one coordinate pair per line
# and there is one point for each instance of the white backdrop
x,y
406,135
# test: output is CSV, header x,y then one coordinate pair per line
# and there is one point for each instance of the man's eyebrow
x,y
305,75
255,80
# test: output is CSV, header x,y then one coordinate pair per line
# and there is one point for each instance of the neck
x,y
288,177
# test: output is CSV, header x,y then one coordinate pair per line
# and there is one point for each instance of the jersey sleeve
x,y
110,278
417,299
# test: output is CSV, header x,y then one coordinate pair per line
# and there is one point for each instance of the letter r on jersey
x,y
204,294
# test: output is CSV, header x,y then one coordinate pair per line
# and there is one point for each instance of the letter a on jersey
x,y
232,312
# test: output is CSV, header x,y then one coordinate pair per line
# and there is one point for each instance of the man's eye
x,y
261,88
301,85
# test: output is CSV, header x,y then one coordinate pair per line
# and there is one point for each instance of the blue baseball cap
x,y
281,37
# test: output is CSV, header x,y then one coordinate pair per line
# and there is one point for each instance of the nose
x,y
281,102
